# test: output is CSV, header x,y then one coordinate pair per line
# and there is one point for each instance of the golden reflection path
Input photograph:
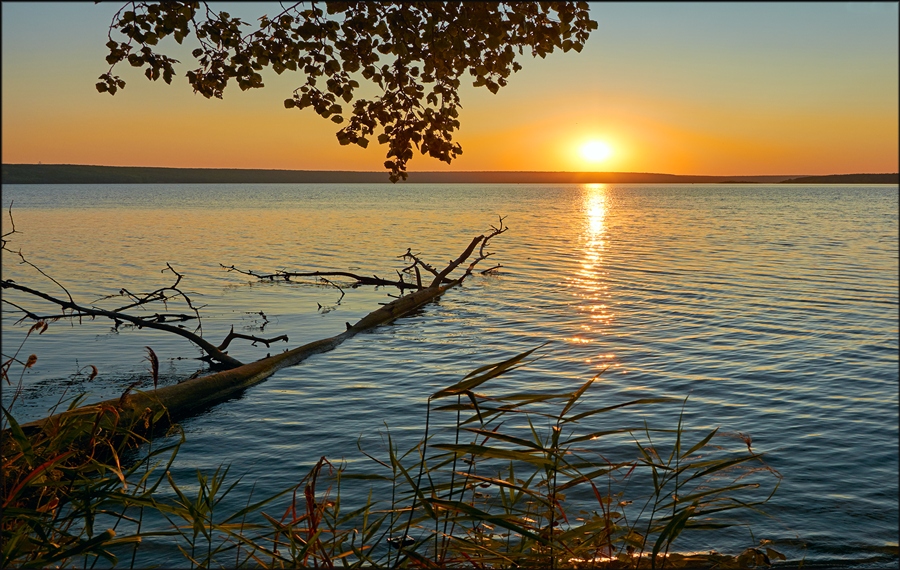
x,y
590,280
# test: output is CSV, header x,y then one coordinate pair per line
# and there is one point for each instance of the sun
x,y
595,151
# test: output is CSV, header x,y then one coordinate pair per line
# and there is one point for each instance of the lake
x,y
773,309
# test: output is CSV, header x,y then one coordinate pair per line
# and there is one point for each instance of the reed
x,y
515,480
491,491
62,501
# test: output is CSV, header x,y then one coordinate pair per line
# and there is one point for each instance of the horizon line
x,y
40,173
428,171
436,171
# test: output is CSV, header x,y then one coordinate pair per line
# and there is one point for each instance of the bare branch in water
x,y
287,275
440,277
254,339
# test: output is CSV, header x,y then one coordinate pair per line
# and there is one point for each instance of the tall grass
x,y
496,481
522,480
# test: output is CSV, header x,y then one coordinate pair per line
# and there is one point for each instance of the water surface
x,y
773,308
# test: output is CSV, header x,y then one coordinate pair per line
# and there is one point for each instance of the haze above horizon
x,y
687,89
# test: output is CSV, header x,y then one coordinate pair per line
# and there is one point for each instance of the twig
x,y
416,261
336,285
286,276
12,222
254,339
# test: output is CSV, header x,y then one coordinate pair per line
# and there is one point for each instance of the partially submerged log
x,y
140,411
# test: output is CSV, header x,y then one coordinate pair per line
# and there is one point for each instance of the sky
x,y
678,88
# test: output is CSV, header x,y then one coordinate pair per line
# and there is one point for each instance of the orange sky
x,y
713,89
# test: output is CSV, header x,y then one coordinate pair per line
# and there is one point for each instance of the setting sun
x,y
595,151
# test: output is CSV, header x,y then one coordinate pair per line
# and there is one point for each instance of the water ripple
x,y
773,309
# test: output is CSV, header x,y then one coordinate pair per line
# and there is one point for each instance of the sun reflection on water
x,y
595,209
589,283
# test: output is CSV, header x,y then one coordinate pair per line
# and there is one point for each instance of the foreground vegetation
x,y
496,481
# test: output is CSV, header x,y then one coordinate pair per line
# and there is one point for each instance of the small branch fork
x,y
254,339
163,295
480,241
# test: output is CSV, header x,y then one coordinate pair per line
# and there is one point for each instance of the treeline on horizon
x,y
85,174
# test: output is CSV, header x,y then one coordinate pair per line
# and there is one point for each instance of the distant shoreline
x,y
86,174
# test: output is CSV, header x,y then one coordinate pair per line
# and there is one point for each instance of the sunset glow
x,y
679,97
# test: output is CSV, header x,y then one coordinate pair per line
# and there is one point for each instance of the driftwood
x,y
140,411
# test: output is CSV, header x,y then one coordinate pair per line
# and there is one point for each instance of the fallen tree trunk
x,y
138,413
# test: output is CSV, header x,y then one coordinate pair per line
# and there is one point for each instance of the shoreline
x,y
90,174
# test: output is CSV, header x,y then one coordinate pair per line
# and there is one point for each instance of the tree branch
x,y
379,43
80,311
233,335
287,275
